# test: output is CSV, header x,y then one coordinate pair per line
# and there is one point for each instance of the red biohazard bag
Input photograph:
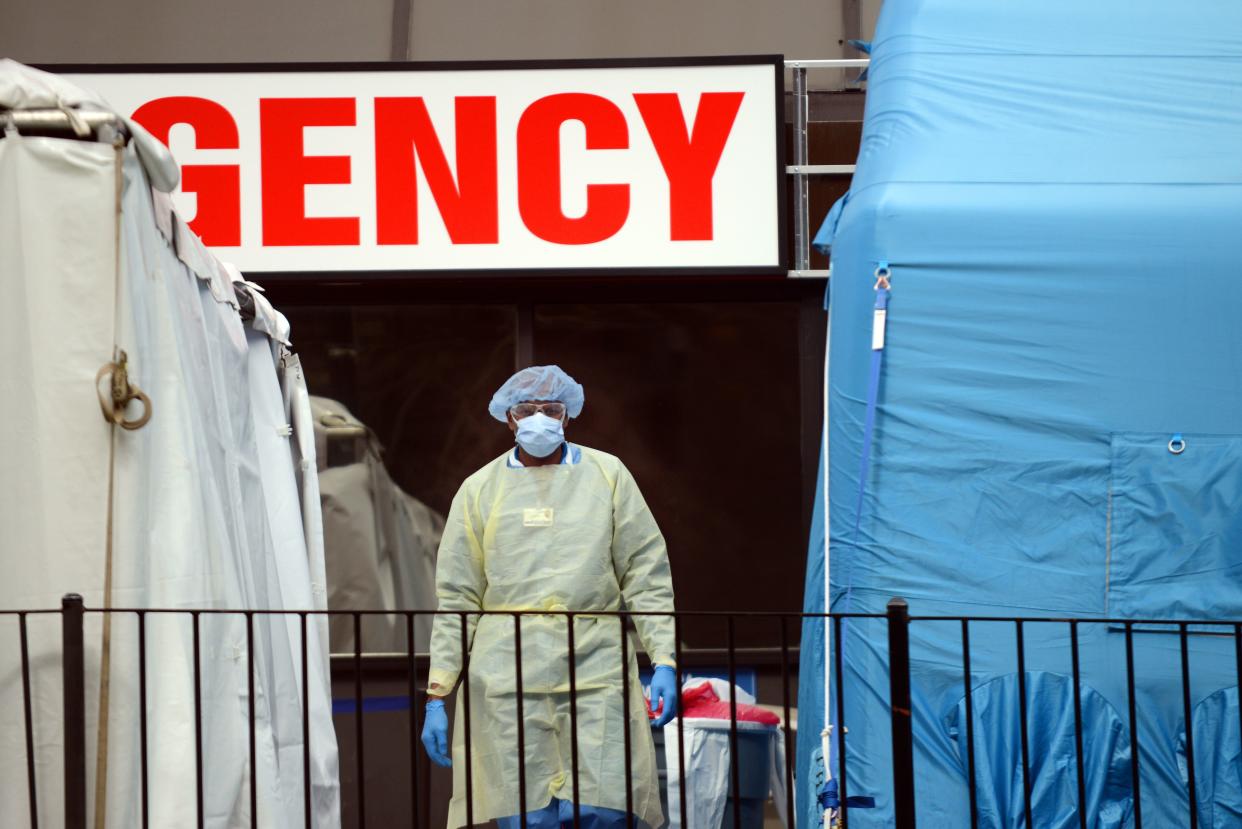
x,y
701,701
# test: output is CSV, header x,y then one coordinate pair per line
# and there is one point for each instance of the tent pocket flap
x,y
1175,526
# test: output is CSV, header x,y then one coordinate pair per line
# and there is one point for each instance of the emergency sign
x,y
501,167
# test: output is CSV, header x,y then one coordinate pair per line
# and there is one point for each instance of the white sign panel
x,y
501,167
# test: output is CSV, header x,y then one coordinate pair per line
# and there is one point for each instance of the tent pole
x,y
826,734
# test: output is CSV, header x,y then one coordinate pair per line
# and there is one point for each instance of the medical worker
x,y
550,526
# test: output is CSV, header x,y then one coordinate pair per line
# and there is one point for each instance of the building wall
x,y
446,29
129,31
141,31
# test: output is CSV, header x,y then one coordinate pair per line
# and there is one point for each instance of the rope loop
x,y
120,394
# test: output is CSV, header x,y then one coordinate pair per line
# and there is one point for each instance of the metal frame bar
x,y
838,674
901,707
74,654
835,63
521,720
735,784
801,170
1188,719
306,738
360,753
1027,783
1131,708
968,688
802,206
899,651
48,119
820,169
32,786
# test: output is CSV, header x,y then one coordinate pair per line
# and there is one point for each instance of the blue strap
x,y
830,798
879,322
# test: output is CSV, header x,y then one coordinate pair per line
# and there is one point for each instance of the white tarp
x,y
56,299
211,501
24,88
380,542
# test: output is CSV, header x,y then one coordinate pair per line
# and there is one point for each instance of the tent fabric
x,y
1057,192
54,523
380,551
23,87
1218,759
380,542
219,458
1166,559
298,413
289,576
1052,753
811,658
208,503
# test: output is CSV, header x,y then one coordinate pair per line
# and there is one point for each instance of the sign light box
x,y
607,166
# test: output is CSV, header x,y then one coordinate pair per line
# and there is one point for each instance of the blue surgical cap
x,y
537,383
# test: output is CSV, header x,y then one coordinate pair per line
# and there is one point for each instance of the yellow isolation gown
x,y
575,537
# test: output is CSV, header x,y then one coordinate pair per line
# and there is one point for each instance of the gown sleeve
x,y
460,585
640,560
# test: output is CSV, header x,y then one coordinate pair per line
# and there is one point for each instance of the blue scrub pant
x,y
560,813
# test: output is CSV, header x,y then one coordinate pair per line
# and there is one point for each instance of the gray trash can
x,y
754,750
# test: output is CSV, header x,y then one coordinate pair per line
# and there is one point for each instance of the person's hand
x,y
435,733
664,690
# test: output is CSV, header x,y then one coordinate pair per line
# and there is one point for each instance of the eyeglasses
x,y
553,410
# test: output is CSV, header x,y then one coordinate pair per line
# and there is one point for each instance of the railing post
x,y
899,696
73,667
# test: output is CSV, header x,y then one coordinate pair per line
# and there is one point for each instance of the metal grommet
x,y
1177,445
881,276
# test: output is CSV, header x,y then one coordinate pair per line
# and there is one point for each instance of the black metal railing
x,y
898,622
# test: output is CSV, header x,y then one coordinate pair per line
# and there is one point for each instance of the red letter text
x,y
403,132
287,170
217,219
539,168
689,160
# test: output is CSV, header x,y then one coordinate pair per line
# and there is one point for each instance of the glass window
x,y
400,400
701,402
420,377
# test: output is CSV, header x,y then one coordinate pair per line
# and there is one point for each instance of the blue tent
x,y
1057,190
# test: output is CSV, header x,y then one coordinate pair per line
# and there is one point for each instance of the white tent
x,y
213,503
380,542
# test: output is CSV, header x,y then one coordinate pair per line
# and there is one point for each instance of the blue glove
x,y
435,733
664,690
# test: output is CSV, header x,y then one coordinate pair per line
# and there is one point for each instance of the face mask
x,y
540,435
